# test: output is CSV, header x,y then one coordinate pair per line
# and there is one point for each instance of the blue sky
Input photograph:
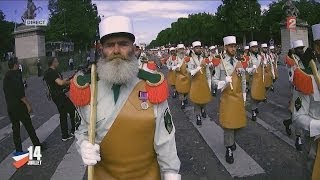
x,y
149,17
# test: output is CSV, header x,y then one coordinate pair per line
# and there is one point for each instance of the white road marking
x,y
243,165
71,167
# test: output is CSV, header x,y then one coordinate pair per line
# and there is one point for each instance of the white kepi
x,y
229,40
116,24
297,43
264,45
212,47
180,46
246,47
253,43
172,49
316,32
196,43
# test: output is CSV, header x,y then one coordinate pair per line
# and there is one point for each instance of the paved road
x,y
264,151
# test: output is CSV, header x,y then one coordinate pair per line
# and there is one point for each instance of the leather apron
x,y
258,90
276,73
127,150
171,77
267,76
316,166
183,81
232,114
199,90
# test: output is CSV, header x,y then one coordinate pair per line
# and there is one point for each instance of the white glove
x,y
221,84
171,176
193,72
254,66
244,96
174,68
90,153
228,79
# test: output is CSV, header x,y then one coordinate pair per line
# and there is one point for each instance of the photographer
x,y
57,88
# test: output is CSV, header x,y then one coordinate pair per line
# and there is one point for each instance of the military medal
x,y
143,96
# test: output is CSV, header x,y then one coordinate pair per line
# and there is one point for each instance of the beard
x,y
181,55
118,69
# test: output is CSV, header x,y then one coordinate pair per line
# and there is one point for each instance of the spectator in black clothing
x,y
18,106
56,85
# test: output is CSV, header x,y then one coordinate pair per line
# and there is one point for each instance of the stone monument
x,y
29,40
290,35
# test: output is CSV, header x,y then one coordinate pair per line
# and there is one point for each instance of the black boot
x,y
287,124
214,92
229,155
203,113
199,123
186,101
298,143
233,147
254,115
182,105
174,95
272,88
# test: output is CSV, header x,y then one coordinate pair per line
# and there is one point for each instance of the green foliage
x,y
6,36
79,19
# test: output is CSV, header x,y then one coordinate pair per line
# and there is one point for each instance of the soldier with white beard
x,y
135,135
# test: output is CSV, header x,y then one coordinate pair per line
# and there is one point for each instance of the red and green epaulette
x,y
80,90
152,65
187,59
289,61
245,61
156,86
302,81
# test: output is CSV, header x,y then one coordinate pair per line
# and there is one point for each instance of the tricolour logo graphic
x,y
32,157
20,160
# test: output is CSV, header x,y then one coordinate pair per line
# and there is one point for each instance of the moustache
x,y
117,56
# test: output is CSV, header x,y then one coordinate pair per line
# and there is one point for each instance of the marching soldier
x,y
230,78
135,135
307,105
171,63
290,64
199,93
274,59
246,51
213,53
183,82
297,67
269,75
256,69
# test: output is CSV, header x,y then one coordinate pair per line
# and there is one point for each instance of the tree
x,y
6,36
72,20
239,17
